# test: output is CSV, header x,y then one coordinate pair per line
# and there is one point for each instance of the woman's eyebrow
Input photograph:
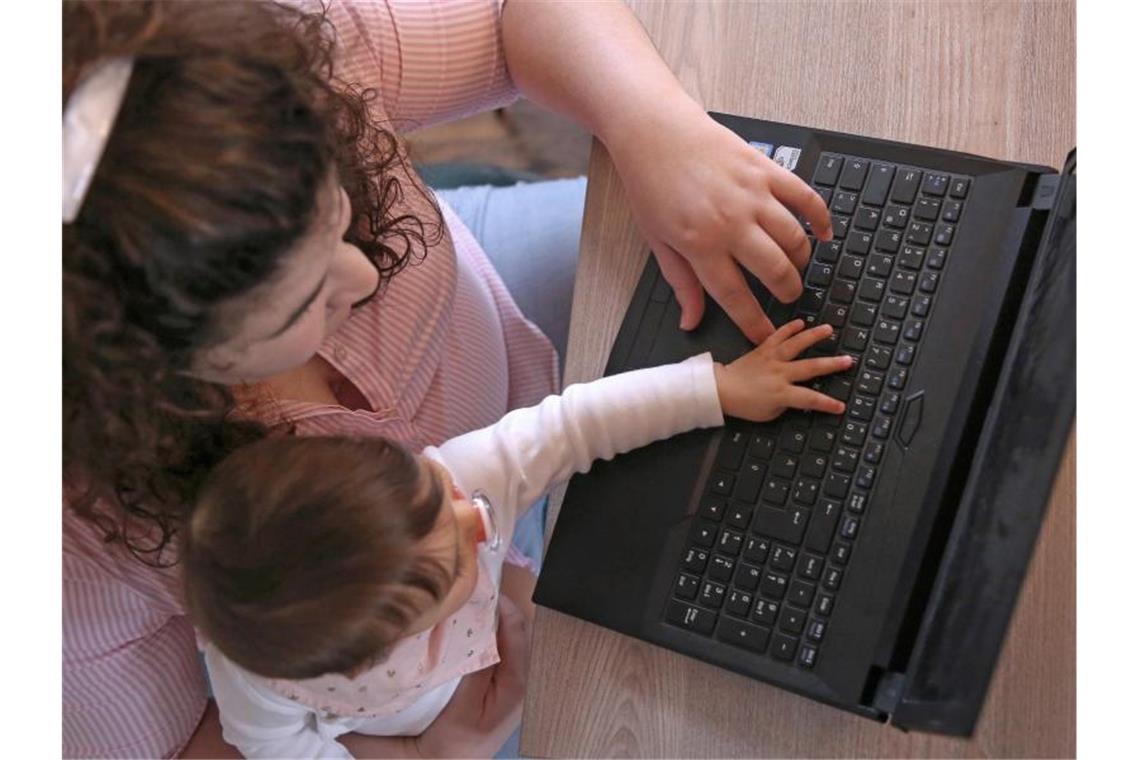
x,y
300,309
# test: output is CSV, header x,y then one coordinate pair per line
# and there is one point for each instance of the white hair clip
x,y
87,120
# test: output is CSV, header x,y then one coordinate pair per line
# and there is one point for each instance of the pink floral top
x,y
443,352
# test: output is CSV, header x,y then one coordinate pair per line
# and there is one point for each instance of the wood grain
x,y
995,78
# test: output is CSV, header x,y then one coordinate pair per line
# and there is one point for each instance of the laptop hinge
x,y
888,692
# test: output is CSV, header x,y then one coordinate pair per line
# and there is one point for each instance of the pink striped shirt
x,y
444,351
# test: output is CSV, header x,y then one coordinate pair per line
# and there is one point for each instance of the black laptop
x,y
870,561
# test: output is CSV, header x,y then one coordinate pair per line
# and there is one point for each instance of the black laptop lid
x,y
1005,496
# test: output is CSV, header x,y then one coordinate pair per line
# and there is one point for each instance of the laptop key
x,y
704,533
927,209
849,528
813,466
959,186
738,603
783,558
812,300
800,594
859,242
731,451
695,559
807,657
862,314
792,620
775,492
815,629
840,224
857,502
744,635
871,289
911,257
854,174
896,216
929,282
869,382
853,433
836,485
712,595
878,184
793,439
822,526
739,516
879,357
749,484
906,186
841,553
921,306
819,275
784,466
805,491
773,586
903,282
845,459
721,568
937,258
781,524
832,577
867,218
855,338
874,452
886,332
824,604
844,202
828,253
851,267
821,439
882,428
862,408
842,291
729,542
827,171
866,476
748,576
761,446
712,508
952,211
920,233
686,586
722,483
690,617
879,265
935,184
896,378
888,240
766,612
784,647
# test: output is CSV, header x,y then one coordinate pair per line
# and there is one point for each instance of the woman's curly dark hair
x,y
232,122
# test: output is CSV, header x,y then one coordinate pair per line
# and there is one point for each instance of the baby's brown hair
x,y
300,559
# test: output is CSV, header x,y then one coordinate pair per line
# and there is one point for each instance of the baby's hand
x,y
760,385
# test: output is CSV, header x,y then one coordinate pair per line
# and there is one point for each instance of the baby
x,y
347,585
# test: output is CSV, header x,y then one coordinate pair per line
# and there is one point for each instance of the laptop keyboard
x,y
780,513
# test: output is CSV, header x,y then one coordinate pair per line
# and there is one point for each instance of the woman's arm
x,y
707,202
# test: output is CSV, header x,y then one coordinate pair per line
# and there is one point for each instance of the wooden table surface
x,y
994,78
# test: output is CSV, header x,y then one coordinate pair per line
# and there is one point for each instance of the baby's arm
x,y
520,457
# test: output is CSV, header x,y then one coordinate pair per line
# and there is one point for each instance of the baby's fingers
x,y
812,401
801,342
774,341
806,369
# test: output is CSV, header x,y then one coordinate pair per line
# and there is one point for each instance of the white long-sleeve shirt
x,y
513,462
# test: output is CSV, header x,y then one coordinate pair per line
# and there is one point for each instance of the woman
x,y
253,253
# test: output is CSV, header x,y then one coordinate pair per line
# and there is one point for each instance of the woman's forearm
x,y
591,61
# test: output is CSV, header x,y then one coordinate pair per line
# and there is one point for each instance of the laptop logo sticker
x,y
765,148
787,157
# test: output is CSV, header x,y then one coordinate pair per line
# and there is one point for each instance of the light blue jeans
x,y
530,232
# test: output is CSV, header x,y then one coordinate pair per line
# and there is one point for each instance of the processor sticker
x,y
787,157
765,148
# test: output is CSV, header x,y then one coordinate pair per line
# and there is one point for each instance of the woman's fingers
x,y
686,286
726,284
798,196
787,233
798,397
797,344
807,369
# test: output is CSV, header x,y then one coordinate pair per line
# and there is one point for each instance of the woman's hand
x,y
760,385
487,707
708,203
